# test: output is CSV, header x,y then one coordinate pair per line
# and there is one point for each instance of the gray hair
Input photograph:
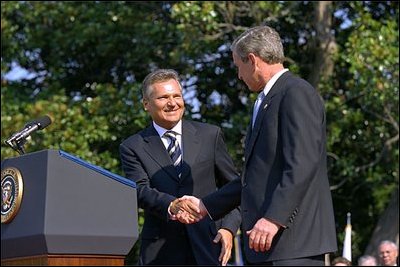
x,y
363,259
390,243
160,75
263,41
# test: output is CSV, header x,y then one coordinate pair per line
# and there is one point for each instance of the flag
x,y
347,239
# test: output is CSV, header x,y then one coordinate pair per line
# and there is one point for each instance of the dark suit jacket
x,y
284,177
206,165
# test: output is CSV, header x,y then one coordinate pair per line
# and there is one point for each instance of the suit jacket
x,y
206,166
284,176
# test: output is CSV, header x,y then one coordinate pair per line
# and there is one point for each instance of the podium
x,y
65,212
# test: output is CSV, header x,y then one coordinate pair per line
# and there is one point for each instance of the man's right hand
x,y
188,209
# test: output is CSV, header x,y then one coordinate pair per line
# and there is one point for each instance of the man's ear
x,y
252,58
145,103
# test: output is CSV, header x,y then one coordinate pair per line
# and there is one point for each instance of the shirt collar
x,y
161,131
272,81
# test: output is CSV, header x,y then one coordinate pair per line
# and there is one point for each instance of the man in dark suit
x,y
194,161
284,195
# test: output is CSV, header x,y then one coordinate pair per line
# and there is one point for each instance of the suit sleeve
x,y
149,198
226,172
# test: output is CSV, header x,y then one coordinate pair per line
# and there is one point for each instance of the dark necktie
x,y
174,151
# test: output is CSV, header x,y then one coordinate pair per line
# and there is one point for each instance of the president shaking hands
x,y
283,193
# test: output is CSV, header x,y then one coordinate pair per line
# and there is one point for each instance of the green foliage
x,y
86,61
363,123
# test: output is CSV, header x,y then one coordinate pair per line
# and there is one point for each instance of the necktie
x,y
257,104
174,151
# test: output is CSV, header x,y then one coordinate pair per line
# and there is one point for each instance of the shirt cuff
x,y
171,216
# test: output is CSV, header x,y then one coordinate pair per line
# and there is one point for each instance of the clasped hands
x,y
188,209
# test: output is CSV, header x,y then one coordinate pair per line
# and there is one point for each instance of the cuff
x,y
170,216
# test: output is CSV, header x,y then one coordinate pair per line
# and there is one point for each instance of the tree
x,y
363,111
86,61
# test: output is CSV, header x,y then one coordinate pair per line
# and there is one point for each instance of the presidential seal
x,y
11,193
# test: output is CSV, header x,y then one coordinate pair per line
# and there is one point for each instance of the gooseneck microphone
x,y
18,139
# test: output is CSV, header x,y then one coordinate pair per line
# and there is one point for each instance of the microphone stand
x,y
20,146
17,145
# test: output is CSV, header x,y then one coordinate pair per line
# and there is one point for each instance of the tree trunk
x,y
325,44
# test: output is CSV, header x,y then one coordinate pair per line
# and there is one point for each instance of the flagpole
x,y
238,250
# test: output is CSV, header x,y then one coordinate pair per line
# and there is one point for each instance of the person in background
x,y
168,159
367,260
388,252
341,261
283,193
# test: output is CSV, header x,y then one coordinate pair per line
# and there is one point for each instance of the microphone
x,y
17,140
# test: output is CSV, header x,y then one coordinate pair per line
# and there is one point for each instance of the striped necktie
x,y
174,152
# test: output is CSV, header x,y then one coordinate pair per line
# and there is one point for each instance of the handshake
x,y
187,209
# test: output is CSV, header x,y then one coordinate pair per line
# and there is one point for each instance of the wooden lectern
x,y
60,210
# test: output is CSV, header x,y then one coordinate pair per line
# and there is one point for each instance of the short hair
x,y
388,242
341,260
263,41
365,258
156,76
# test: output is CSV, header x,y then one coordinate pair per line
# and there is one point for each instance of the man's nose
x,y
171,101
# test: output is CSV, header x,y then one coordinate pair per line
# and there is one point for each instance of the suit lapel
x,y
253,133
156,150
191,147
